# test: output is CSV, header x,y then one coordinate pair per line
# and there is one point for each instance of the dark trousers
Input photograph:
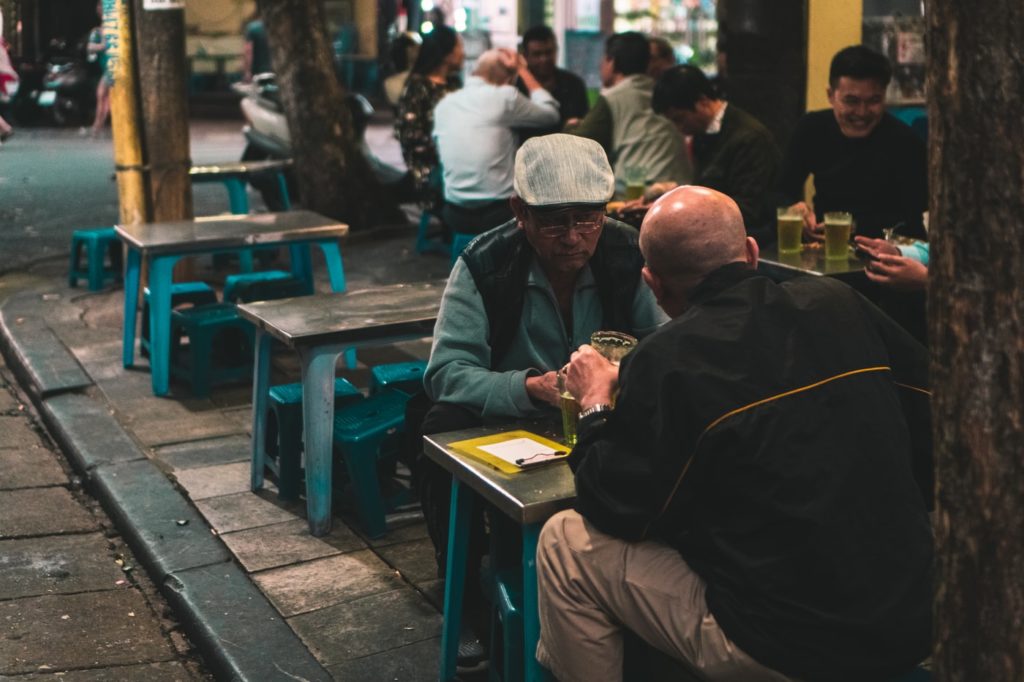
x,y
477,219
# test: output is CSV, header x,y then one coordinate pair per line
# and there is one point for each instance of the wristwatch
x,y
594,409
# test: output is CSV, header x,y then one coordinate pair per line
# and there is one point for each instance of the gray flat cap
x,y
554,170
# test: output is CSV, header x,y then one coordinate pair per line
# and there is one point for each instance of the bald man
x,y
755,504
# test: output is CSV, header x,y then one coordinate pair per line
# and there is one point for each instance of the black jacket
x,y
777,435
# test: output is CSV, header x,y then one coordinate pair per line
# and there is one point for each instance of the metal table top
x,y
397,310
227,231
810,261
529,496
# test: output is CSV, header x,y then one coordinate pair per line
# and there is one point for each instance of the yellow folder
x,y
511,451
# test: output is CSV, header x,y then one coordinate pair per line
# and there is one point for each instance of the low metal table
x,y
319,328
810,261
165,242
528,497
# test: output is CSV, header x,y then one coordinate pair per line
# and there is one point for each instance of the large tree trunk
x,y
976,170
333,176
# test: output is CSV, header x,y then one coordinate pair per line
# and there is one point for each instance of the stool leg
x,y
131,300
282,186
94,250
76,252
361,462
350,358
160,275
332,254
245,261
260,393
318,429
200,348
302,266
534,671
238,200
455,577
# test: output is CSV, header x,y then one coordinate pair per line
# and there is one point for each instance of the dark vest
x,y
499,261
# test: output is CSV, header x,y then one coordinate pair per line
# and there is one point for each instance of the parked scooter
x,y
59,91
267,137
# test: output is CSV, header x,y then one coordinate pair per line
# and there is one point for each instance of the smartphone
x,y
864,254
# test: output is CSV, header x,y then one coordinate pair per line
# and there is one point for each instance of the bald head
x,y
497,66
691,231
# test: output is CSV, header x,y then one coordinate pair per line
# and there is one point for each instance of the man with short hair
x,y
732,151
540,49
519,300
476,142
623,122
755,503
864,161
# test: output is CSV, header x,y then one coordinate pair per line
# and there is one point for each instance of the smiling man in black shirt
x,y
864,160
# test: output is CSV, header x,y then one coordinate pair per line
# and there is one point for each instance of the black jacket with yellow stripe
x,y
778,436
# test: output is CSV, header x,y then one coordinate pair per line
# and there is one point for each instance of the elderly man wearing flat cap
x,y
522,297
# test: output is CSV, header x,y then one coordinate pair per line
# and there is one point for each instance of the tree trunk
x,y
333,176
976,171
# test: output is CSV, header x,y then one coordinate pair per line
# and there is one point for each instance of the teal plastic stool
x,y
459,242
261,286
424,242
361,437
507,627
406,377
220,346
182,293
284,432
97,242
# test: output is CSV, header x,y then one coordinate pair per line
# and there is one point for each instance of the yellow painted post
x,y
129,157
831,26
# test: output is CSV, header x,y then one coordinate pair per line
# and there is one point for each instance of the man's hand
x,y
813,230
898,272
591,378
876,247
543,388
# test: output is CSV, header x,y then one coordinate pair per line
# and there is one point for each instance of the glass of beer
x,y
570,412
791,229
838,226
636,182
612,345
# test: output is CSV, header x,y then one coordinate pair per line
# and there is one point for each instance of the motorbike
x,y
267,137
61,90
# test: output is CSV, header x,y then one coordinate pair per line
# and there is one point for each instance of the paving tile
x,y
240,418
285,543
8,403
42,511
231,396
374,624
418,662
29,468
228,513
324,582
414,559
433,592
170,671
164,427
212,481
91,629
413,527
202,453
15,432
59,564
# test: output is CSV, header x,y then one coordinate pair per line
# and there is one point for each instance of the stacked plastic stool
x,y
460,240
266,285
220,346
406,377
284,432
361,432
182,294
99,243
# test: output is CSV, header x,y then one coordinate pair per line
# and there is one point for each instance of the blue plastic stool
x,y
425,243
96,241
182,293
220,346
262,286
284,432
507,626
459,242
406,377
361,432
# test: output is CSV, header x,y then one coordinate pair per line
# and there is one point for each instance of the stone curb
x,y
240,634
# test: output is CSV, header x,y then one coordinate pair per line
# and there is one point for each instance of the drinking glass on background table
x,y
838,226
791,228
636,182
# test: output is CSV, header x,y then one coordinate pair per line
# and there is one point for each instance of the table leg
x,y
455,576
238,200
133,272
161,272
318,429
260,393
332,254
302,265
533,671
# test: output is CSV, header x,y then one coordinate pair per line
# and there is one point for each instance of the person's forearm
x,y
529,81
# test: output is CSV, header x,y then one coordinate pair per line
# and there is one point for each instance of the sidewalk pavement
x,y
259,596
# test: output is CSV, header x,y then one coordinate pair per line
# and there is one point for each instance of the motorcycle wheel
x,y
67,112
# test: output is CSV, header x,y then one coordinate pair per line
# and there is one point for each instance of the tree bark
x,y
976,171
333,176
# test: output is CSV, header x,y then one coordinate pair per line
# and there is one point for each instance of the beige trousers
x,y
591,585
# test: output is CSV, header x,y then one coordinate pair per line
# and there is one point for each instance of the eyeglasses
x,y
556,225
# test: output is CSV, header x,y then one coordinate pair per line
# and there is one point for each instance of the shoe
x,y
6,136
471,657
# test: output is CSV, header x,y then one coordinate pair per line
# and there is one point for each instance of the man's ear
x,y
752,252
654,282
519,209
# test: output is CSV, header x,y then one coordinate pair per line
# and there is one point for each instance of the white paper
x,y
522,451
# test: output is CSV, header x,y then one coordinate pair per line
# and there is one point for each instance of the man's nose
x,y
571,236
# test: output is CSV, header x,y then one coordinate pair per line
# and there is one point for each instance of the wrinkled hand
x,y
898,272
591,378
876,247
544,388
813,230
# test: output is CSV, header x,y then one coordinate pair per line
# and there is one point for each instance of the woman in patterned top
x,y
433,76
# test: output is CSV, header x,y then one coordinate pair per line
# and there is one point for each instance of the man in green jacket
x,y
732,151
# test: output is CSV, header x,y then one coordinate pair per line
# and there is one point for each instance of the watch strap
x,y
595,409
